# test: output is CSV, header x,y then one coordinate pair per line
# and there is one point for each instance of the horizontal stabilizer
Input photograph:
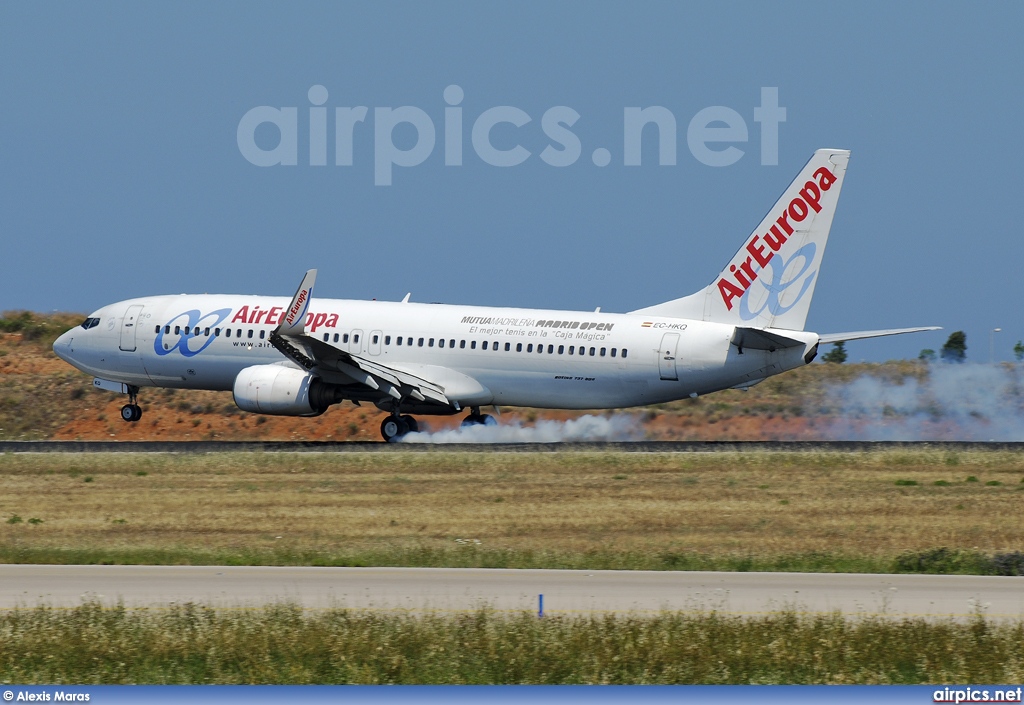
x,y
760,339
862,334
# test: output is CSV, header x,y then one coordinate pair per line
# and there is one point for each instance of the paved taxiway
x,y
564,591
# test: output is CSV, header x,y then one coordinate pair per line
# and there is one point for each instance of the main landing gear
x,y
131,411
475,418
394,427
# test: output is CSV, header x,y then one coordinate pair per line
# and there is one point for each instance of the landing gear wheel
x,y
393,427
410,423
131,412
479,420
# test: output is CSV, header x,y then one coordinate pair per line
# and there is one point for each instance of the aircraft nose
x,y
62,346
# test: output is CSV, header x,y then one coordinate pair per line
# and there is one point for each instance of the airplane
x,y
299,356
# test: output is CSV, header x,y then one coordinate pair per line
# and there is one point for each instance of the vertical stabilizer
x,y
770,281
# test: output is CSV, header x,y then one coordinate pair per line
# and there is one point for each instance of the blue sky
x,y
121,173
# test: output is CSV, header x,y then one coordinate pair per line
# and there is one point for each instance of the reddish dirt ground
x,y
182,419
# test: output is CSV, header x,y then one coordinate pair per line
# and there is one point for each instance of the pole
x,y
991,344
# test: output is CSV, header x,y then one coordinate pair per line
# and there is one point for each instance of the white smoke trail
x,y
619,427
969,402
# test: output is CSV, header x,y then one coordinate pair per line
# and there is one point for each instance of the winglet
x,y
294,321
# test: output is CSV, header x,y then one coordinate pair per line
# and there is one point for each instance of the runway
x,y
565,592
574,447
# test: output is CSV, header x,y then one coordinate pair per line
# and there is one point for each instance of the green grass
x,y
283,644
942,561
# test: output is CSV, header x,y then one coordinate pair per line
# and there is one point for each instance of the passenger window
x,y
408,341
472,345
250,334
167,329
335,337
216,332
592,351
238,333
485,345
451,343
186,330
551,349
399,340
206,332
344,338
156,331
440,343
430,343
263,334
327,337
572,349
624,351
614,350
561,349
508,346
462,344
603,351
355,338
376,339
387,340
519,347
227,333
420,342
177,330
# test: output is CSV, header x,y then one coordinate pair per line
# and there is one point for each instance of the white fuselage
x,y
480,355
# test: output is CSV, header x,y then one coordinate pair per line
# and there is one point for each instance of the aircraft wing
x,y
390,380
290,339
861,334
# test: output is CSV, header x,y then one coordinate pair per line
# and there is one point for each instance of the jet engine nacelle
x,y
282,391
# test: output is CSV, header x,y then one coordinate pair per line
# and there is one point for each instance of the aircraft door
x,y
355,342
667,356
375,337
129,325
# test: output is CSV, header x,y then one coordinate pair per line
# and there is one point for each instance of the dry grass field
x,y
859,512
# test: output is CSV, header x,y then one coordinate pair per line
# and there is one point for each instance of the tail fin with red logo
x,y
770,281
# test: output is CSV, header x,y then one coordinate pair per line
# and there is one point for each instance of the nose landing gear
x,y
131,411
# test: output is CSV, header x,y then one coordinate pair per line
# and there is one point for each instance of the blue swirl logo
x,y
776,286
188,344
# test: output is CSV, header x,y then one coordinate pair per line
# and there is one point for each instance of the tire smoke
x,y
619,427
955,402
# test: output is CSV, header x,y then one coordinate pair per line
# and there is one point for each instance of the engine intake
x,y
282,391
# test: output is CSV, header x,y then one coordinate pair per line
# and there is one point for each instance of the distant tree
x,y
955,349
837,354
928,355
1018,350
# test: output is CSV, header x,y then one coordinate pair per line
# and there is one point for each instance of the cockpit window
x,y
90,323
